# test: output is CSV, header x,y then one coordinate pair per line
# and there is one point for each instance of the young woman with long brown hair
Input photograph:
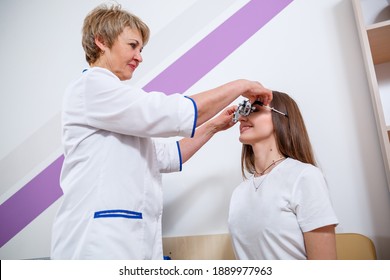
x,y
282,210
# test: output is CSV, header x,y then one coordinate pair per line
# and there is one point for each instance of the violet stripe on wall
x,y
30,201
42,191
216,46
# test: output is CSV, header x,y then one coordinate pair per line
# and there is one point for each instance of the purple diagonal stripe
x,y
29,202
216,46
42,191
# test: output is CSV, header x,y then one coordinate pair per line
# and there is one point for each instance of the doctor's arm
x,y
211,102
189,146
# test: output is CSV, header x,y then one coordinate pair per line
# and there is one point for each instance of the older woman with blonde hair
x,y
111,175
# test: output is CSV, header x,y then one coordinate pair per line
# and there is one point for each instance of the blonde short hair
x,y
107,23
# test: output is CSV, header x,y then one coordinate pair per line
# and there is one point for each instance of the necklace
x,y
258,186
262,173
269,166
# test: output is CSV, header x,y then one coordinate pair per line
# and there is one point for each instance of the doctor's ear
x,y
99,41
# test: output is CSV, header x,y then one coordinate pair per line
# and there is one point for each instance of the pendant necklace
x,y
262,173
258,186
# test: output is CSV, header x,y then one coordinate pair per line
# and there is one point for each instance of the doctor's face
x,y
125,54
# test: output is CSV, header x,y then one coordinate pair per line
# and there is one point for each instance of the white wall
x,y
310,50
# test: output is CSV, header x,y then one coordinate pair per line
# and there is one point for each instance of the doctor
x,y
111,176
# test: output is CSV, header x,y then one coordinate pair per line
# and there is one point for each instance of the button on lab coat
x,y
111,176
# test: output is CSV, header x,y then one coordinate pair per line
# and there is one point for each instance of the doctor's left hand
x,y
258,92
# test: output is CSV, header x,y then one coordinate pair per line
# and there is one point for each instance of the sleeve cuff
x,y
179,152
195,116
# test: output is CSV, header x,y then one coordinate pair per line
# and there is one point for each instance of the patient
x,y
282,210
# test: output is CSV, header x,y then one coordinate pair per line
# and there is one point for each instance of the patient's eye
x,y
256,108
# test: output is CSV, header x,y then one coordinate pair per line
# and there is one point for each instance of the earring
x,y
102,51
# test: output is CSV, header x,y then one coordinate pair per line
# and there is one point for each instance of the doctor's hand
x,y
257,91
189,146
223,121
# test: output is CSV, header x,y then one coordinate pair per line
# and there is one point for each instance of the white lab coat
x,y
111,176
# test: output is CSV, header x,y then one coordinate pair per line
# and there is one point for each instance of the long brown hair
x,y
291,135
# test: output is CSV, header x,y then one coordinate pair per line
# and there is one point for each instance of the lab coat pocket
x,y
117,213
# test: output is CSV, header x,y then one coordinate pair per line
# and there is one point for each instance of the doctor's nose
x,y
138,57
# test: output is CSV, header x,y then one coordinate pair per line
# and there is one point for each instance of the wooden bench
x,y
350,246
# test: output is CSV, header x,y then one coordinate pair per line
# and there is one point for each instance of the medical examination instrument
x,y
245,108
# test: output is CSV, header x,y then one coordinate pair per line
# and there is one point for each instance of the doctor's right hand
x,y
223,121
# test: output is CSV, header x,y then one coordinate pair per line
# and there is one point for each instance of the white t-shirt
x,y
269,223
111,176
